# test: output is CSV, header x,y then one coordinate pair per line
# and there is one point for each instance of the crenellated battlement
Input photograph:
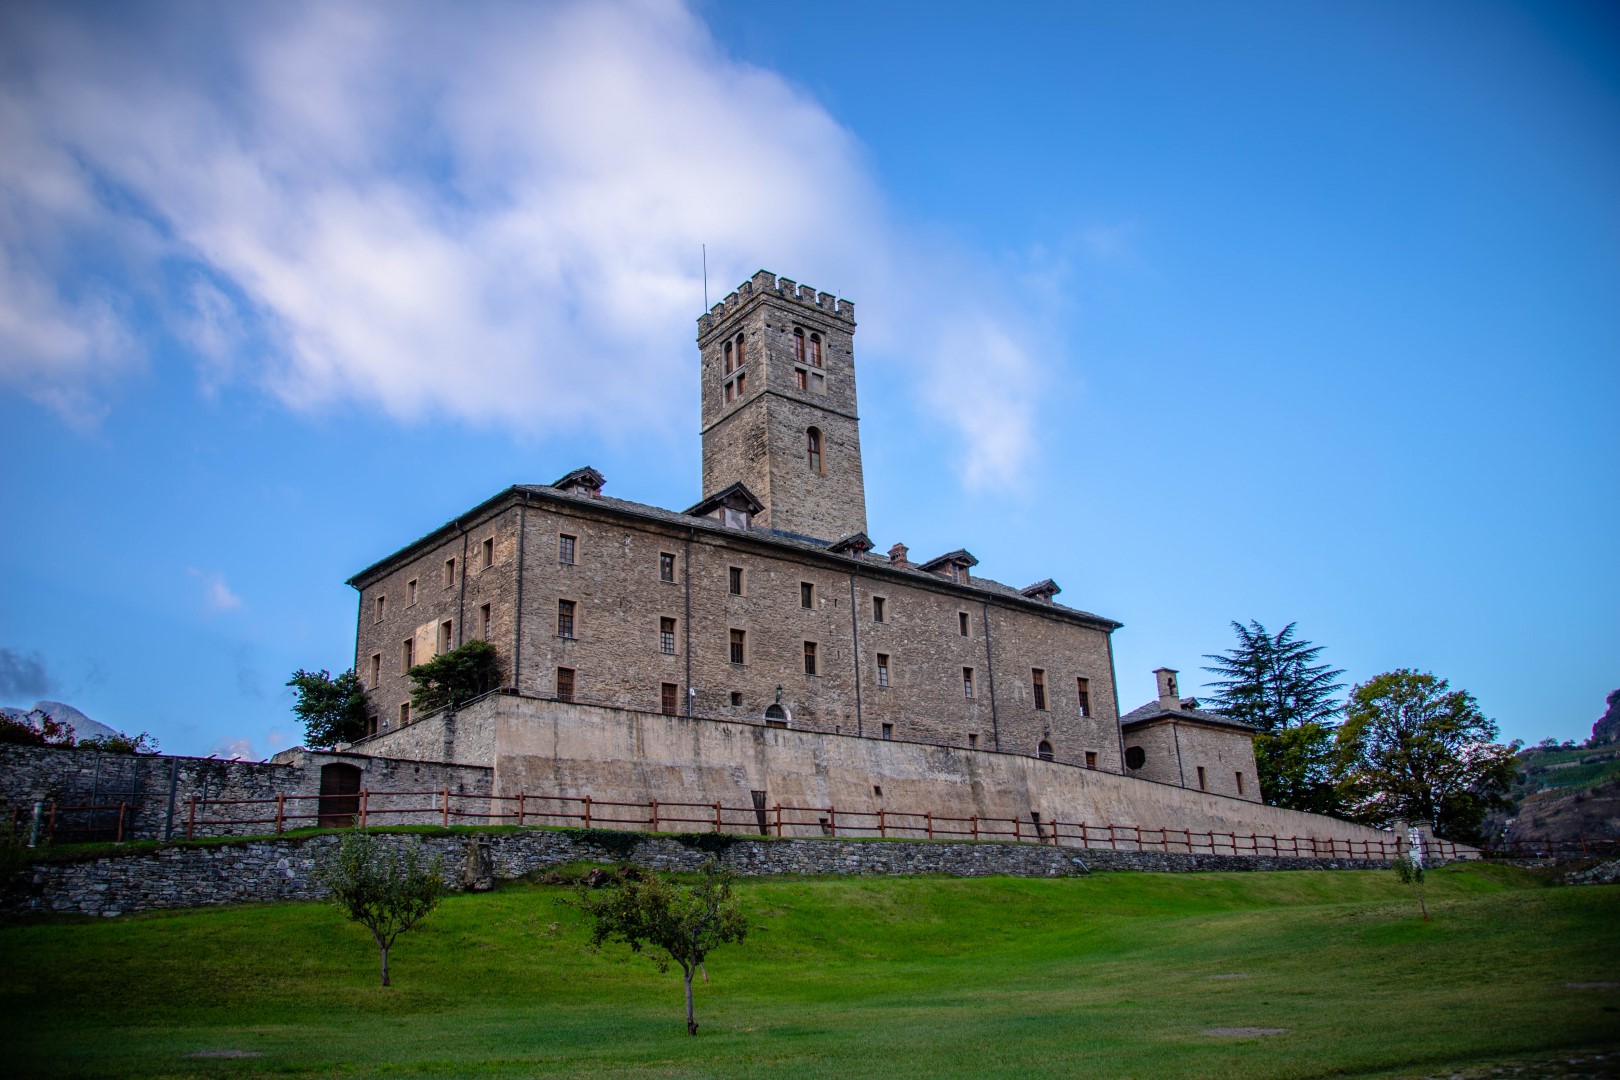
x,y
766,283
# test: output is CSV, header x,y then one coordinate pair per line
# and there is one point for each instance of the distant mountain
x,y
83,726
1607,728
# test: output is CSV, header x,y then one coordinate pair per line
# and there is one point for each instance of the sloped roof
x,y
1154,711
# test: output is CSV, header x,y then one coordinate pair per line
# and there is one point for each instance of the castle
x,y
764,602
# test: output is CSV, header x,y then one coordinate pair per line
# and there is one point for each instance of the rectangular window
x,y
404,713
447,640
381,606
1202,786
730,392
967,683
485,618
565,684
738,639
666,636
807,594
666,566
410,592
449,572
809,658
407,656
1240,782
742,383
878,604
376,670
1085,696
802,377
669,696
883,669
962,623
565,549
818,383
736,581
736,697
1091,759
489,553
973,742
888,733
565,618
1037,679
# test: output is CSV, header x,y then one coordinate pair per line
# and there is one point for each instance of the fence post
x,y
587,811
832,819
930,818
717,827
446,794
364,793
1018,833
520,809
281,805
1583,846
883,829
1113,844
778,819
123,808
975,828
191,820
653,815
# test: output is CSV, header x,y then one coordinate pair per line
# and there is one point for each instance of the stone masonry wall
x,y
281,869
159,787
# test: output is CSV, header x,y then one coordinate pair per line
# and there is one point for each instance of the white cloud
x,y
217,596
483,213
238,749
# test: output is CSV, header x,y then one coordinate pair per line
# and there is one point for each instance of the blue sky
x,y
1209,312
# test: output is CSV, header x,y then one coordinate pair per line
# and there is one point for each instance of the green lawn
x,y
1111,975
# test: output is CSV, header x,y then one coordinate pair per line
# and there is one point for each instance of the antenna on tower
x,y
705,277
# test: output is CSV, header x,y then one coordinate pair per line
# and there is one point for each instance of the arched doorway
x,y
340,795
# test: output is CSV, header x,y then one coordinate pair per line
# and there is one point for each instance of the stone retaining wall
x,y
280,869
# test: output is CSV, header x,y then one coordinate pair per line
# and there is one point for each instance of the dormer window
x,y
735,519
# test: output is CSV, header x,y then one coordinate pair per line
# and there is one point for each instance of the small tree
x,y
35,728
686,922
120,743
386,890
1410,873
455,676
333,710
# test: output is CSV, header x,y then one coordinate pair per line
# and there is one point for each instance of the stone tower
x,y
778,371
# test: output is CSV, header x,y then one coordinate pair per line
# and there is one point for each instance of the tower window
x,y
962,623
565,549
888,733
1239,782
565,618
1085,696
802,377
376,670
736,580
484,619
1038,682
565,684
742,382
446,636
798,345
738,639
730,366
449,572
381,607
742,358
410,592
815,350
404,713
878,604
812,442
967,683
666,636
883,669
730,391
809,658
668,696
973,741
489,553
1202,783
1091,759
407,656
666,566
807,595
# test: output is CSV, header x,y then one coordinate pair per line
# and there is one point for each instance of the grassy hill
x,y
1562,794
1111,975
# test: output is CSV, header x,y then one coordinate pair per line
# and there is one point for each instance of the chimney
x,y
897,556
1169,694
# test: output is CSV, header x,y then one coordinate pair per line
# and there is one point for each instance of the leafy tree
x,y
22,730
384,889
1274,682
1410,873
453,677
1413,748
120,743
333,710
686,922
1607,728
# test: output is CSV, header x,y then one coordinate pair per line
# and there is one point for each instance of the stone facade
x,y
272,870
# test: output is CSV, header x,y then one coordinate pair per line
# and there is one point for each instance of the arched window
x,y
815,350
741,359
1044,750
812,442
729,364
1135,757
776,716
798,344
